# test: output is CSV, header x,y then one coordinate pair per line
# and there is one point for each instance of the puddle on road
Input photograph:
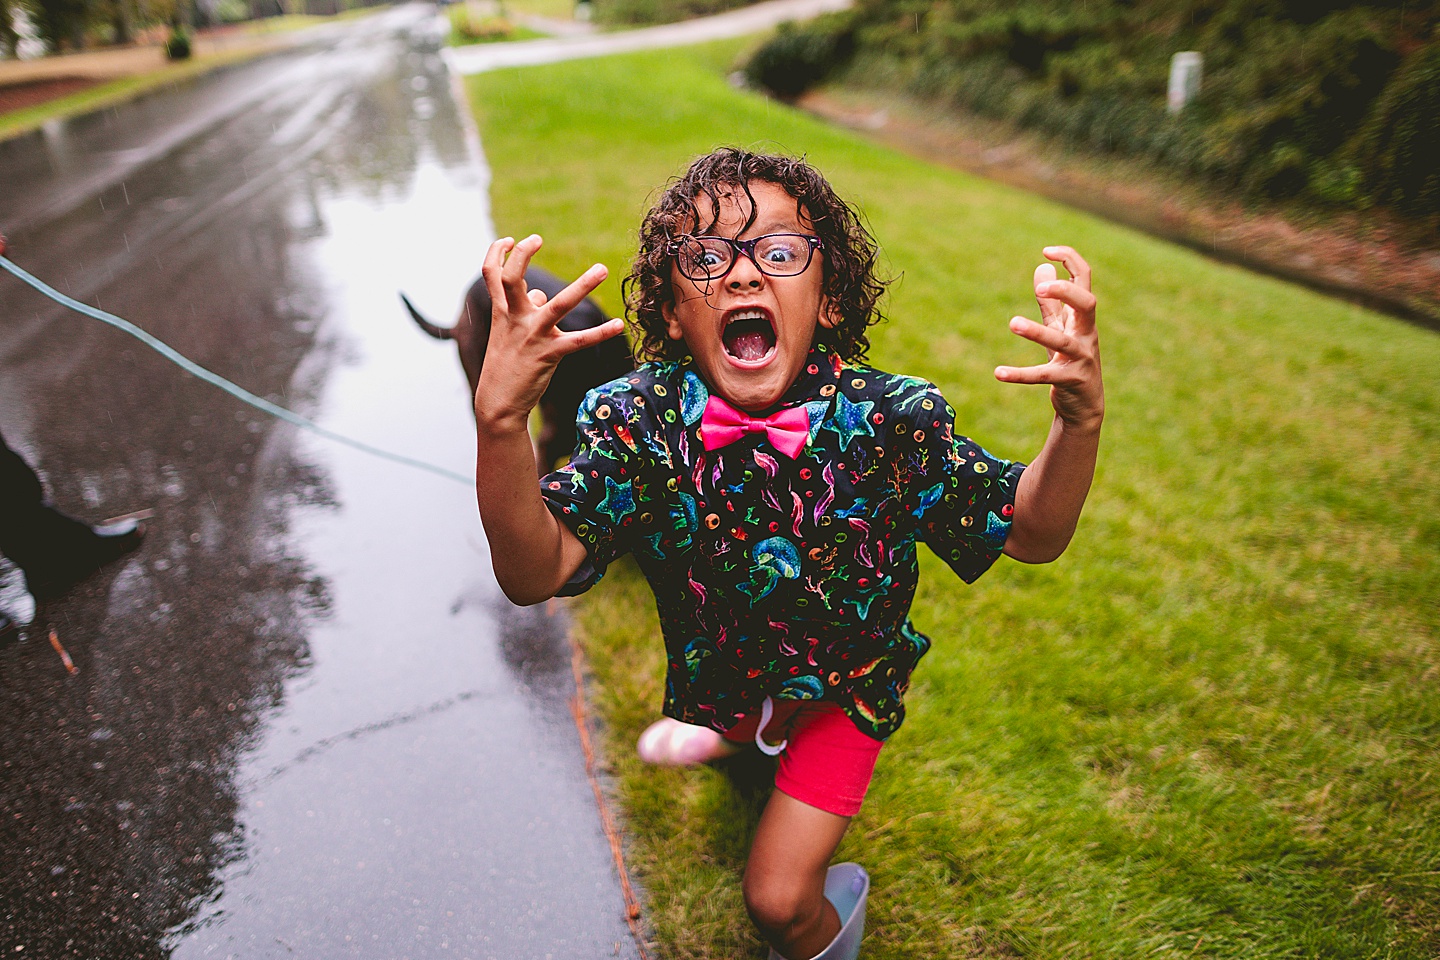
x,y
306,722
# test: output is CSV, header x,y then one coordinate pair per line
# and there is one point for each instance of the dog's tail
x,y
435,330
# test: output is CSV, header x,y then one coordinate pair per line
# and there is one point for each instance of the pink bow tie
x,y
722,424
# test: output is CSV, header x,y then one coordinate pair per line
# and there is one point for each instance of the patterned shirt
x,y
774,577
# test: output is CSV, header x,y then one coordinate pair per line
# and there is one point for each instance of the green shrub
x,y
177,47
468,29
637,12
1398,151
1289,85
798,57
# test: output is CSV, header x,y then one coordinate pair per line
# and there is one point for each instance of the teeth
x,y
747,315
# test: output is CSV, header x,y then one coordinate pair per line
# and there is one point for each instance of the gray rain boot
x,y
847,886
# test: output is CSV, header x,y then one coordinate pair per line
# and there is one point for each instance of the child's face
x,y
750,332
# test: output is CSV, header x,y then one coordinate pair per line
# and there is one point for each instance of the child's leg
x,y
670,743
820,784
785,878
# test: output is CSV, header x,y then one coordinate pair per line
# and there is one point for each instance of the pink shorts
x,y
827,761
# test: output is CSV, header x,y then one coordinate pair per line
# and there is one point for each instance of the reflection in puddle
x,y
285,736
535,644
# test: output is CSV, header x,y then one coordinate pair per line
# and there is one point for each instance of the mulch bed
x,y
17,96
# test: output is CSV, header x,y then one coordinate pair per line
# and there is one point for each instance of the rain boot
x,y
847,886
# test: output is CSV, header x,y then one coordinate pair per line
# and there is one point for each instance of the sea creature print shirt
x,y
775,577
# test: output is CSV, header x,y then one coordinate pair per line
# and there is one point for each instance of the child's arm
x,y
533,554
1053,488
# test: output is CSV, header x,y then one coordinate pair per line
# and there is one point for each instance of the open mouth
x,y
749,336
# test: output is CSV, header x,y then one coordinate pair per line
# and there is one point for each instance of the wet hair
x,y
848,255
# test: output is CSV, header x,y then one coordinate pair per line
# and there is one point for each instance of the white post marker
x,y
1185,69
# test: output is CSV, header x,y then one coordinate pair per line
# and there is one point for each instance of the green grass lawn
x,y
1210,729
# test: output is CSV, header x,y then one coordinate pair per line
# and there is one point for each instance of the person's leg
x,y
820,783
55,551
785,876
17,481
670,743
31,531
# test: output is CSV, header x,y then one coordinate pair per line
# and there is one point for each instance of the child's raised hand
x,y
1067,308
525,343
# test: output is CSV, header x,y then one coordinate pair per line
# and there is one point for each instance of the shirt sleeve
x,y
595,493
965,499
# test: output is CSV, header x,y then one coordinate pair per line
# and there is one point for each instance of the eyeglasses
x,y
775,254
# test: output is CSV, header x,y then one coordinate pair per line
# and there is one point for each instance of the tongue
x,y
749,346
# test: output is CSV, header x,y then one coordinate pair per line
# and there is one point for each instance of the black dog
x,y
576,374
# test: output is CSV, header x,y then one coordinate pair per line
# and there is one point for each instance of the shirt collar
x,y
819,379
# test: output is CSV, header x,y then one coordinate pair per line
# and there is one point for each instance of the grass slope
x,y
1210,729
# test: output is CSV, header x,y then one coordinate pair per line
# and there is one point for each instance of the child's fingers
x,y
1043,373
1049,309
1068,291
494,267
569,298
513,276
1064,374
1053,339
574,341
1075,264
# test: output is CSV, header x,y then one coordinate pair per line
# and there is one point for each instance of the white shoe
x,y
670,743
847,886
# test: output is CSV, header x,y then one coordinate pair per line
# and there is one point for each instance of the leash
x,y
240,393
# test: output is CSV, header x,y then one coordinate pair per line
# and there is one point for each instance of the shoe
x,y
847,887
670,743
110,542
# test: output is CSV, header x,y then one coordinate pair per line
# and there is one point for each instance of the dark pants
x,y
39,539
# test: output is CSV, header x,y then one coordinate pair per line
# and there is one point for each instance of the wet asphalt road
x,y
305,722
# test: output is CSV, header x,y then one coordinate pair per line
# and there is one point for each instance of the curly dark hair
x,y
848,256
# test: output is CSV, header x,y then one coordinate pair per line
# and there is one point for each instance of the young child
x,y
772,487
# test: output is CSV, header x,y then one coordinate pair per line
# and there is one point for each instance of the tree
x,y
9,38
119,14
61,22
